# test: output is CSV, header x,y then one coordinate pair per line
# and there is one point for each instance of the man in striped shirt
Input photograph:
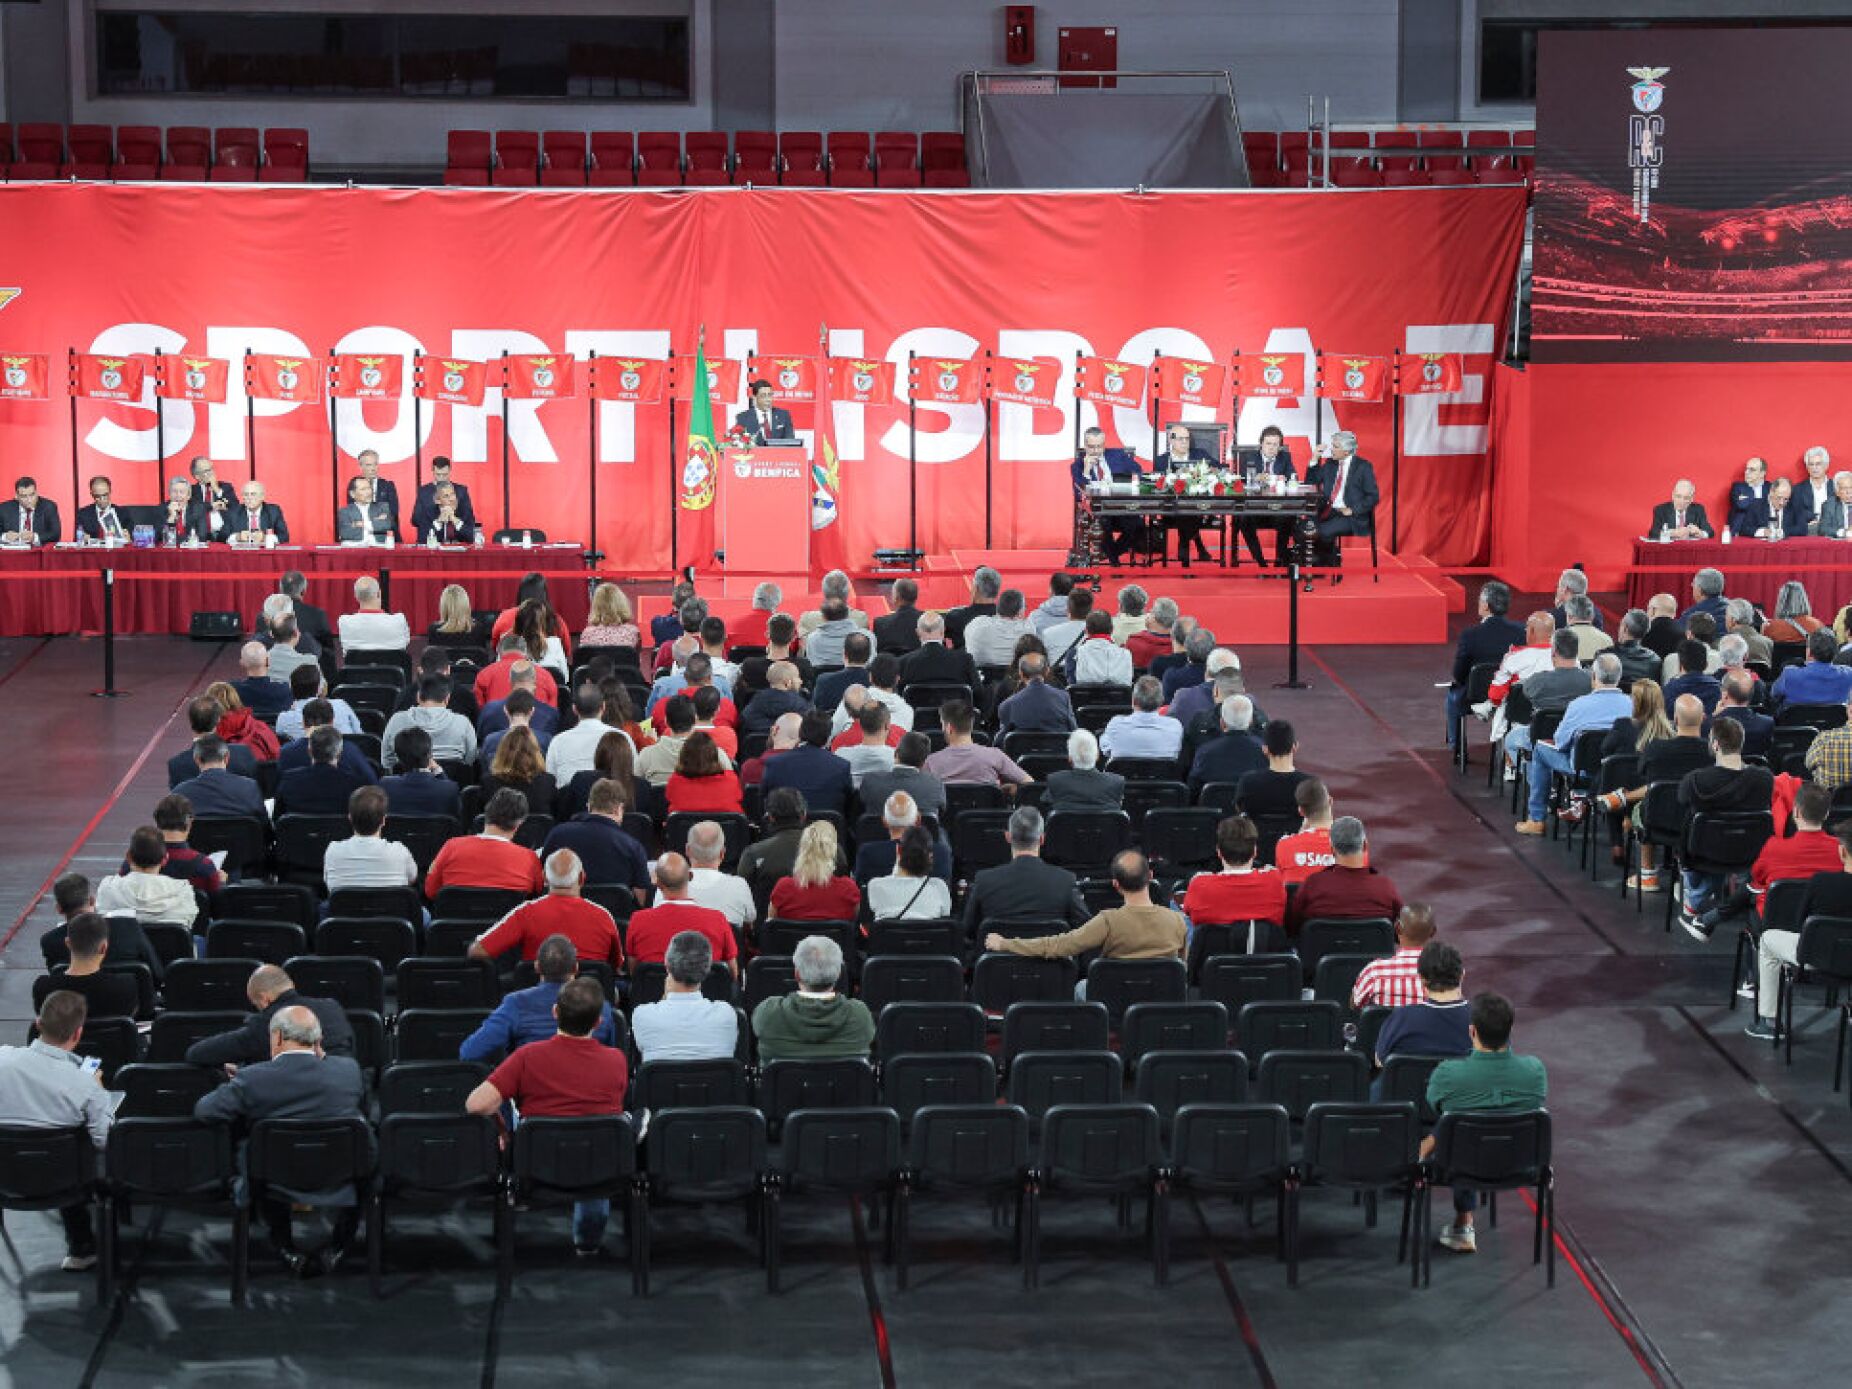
x,y
1396,981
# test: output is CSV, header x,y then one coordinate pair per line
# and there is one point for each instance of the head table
x,y
1752,569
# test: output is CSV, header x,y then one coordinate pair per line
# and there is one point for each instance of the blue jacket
x,y
420,793
822,777
524,1016
295,756
1817,682
1038,708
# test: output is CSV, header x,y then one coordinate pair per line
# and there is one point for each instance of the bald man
x,y
256,521
1683,517
270,990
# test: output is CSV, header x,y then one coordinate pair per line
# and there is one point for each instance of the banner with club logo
x,y
793,379
363,377
1025,381
860,381
24,375
1352,376
1428,373
1107,382
946,380
1271,376
297,380
205,379
635,379
1184,382
542,376
449,381
102,377
723,379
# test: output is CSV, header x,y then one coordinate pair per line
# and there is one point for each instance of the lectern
x,y
765,516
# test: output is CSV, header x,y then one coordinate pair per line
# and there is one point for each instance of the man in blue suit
x,y
1347,495
1097,463
1483,644
1271,459
217,791
811,768
322,787
203,716
319,713
1037,707
420,788
425,507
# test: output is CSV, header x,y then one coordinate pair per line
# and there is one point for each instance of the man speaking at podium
x,y
765,421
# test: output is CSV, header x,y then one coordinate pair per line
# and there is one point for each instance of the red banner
x,y
273,268
723,383
449,381
1107,382
946,380
1348,376
1025,381
297,380
543,376
858,381
1271,376
1428,373
636,379
794,379
24,375
103,377
368,377
204,379
1186,382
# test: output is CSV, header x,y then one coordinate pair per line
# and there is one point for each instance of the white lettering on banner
x,y
617,419
1301,419
1017,437
225,422
138,445
1134,426
1422,432
851,419
393,444
469,424
964,424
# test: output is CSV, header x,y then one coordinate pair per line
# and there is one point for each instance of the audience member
x,y
453,737
1819,680
366,858
256,691
1663,629
1694,677
815,1022
1638,661
676,910
1483,643
526,1015
824,778
1143,733
1025,886
783,694
1082,785
986,584
815,890
322,787
710,886
562,912
107,993
1727,787
490,859
270,991
202,715
772,855
1298,856
144,891
684,1024
421,788
1434,1021
71,897
991,637
701,781
607,853
1348,890
1241,890
371,628
1137,929
306,686
1737,689
1099,659
1396,982
1052,609
897,633
173,817
1592,715
1591,640
936,661
872,753
215,790
1232,753
915,890
518,765
965,761
1037,707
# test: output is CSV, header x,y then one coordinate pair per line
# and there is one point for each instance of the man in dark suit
x,y
208,512
1180,451
1347,495
1738,689
215,791
73,895
811,768
986,584
1484,643
261,695
310,620
1232,753
1663,630
100,520
29,519
295,1079
1025,886
1097,463
364,520
203,717
1707,597
1682,518
425,508
1083,786
899,814
444,526
420,788
857,649
1037,707
783,694
322,787
935,662
319,713
1270,459
1812,491
254,519
763,420
898,632
385,491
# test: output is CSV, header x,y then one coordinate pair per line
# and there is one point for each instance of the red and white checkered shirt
x,y
1394,982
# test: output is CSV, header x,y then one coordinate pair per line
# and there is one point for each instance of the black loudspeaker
x,y
216,626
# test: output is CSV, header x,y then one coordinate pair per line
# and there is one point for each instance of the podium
x,y
765,517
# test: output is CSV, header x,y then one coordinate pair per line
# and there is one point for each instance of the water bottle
x,y
481,538
431,536
1665,535
1725,538
527,540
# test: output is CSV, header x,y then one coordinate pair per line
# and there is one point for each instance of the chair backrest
x,y
1323,936
169,1156
1180,838
1086,838
1095,1144
41,1169
768,976
1724,841
659,1085
1237,980
969,1145
913,1080
428,1087
1825,946
710,1153
1168,1080
383,939
912,979
1300,1079
174,1031
1172,1026
1781,905
353,981
162,1089
198,985
309,1155
1055,1025
573,1159
1404,1079
271,942
737,829
782,937
435,1034
649,982
476,903
240,836
908,1027
1492,1152
440,1154
291,902
1336,976
1040,1080
832,1083
1121,983
303,840
1231,1145
422,835
999,980
1662,818
914,938
424,982
1269,1025
851,1149
1360,1145
979,840
961,797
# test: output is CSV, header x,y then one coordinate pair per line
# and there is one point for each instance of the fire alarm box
x,y
1019,35
1088,50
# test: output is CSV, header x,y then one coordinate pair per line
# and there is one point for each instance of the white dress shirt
x,y
726,893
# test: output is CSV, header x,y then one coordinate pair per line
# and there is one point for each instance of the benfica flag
x,y
448,381
204,379
945,380
636,379
860,381
1345,376
1020,382
721,377
1106,382
1428,373
792,378
543,376
108,378
1271,375
295,379
24,375
368,378
1188,383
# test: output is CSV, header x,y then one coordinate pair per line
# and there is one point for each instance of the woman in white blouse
x,y
910,892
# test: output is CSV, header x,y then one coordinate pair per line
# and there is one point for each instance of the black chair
x,y
1365,1148
928,1027
1271,829
303,840
1616,773
1099,1149
1172,1026
199,985
998,980
1040,1080
174,1031
964,798
980,840
1065,1025
1404,1080
912,1080
914,938
428,1087
737,829
353,981
394,903
1322,936
1370,1020
1722,844
1662,825
1121,983
379,938
1478,690
1300,1079
1168,1080
369,1041
1494,1152
167,1161
1180,839
423,835
1255,936
475,903
1237,980
377,699
451,938
291,902
434,1034
269,942
48,1169
1819,717
701,1156
162,1090
981,1148
846,1082
660,1085
1336,976
615,898
424,982
1281,1025
1145,798
564,1161
778,937
890,979
1018,743
1823,955
1086,840
767,976
853,1151
1239,1150
436,1160
649,981
171,941
300,1159
241,838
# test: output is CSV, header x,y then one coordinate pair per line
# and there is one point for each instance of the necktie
x,y
765,424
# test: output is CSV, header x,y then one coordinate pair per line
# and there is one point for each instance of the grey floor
x,y
1702,1184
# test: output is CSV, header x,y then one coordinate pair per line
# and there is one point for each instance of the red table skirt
x,y
50,592
1752,569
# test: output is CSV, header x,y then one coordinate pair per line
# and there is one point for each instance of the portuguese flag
x,y
700,472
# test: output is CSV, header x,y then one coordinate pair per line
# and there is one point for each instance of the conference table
x,y
59,589
1752,569
1161,510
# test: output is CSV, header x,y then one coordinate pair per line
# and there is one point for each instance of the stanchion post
x,y
989,451
109,690
1292,680
913,461
250,417
506,523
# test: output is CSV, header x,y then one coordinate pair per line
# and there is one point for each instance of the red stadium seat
x,y
1397,163
1524,137
1452,177
88,171
1437,162
755,164
1266,175
283,144
1348,139
90,145
234,173
897,149
135,173
138,145
795,146
839,178
1407,178
707,149
1488,139
562,178
1293,140
705,178
744,140
1442,139
236,137
41,142
659,178
660,147
1298,178
564,151
1357,176
282,173
28,170
612,169
942,149
947,178
464,149
814,178
238,157
6,142
1397,139
514,176
466,178
183,173
708,160
517,149
1261,147
849,149
897,178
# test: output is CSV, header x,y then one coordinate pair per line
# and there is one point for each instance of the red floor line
x,y
108,805
884,1348
26,660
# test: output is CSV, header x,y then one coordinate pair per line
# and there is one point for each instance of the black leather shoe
x,y
301,1267
330,1258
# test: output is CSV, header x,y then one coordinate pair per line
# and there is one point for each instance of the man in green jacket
x,y
816,1021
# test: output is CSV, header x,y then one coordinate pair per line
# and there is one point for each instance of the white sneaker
x,y
78,1263
1461,1239
1483,711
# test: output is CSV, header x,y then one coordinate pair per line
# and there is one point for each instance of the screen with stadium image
x,y
1693,195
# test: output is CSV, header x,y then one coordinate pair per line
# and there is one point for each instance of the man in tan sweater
x,y
1138,929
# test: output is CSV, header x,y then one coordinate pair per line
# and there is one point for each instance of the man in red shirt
x,y
1349,890
492,858
1396,981
1241,891
1809,850
1299,856
1153,639
570,1075
562,912
494,682
653,928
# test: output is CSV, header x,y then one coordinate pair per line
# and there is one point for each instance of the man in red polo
x,y
562,912
1299,856
1809,850
492,858
495,681
675,911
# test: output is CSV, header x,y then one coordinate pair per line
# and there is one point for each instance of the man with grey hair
x,y
1482,644
1568,584
991,638
1553,687
1184,665
1025,886
686,1025
1590,639
816,1021
876,859
1152,638
1591,715
986,585
766,597
526,1015
1082,785
835,591
1707,596
708,885
1638,661
562,912
1232,753
1131,614
1740,622
371,628
1350,889
1813,492
897,632
209,506
935,661
1144,732
299,1080
1347,495
1193,700
1683,517
1037,706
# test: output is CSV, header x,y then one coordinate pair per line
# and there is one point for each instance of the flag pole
x,y
334,438
506,523
986,386
913,459
160,430
1395,456
250,417
591,471
417,425
675,509
1156,359
70,386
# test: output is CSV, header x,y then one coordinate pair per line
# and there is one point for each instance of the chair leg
x,y
1491,1205
1032,1234
1401,1243
103,1218
1789,987
1839,1049
769,1219
639,1235
376,1240
1292,1234
505,1271
1549,1250
897,1231
241,1253
1160,1231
